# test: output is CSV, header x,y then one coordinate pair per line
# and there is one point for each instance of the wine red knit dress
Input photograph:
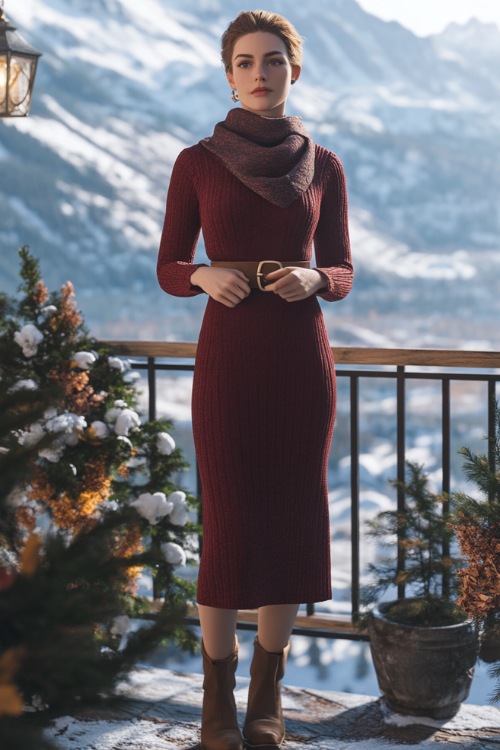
x,y
264,385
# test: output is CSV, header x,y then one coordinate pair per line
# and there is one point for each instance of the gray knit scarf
x,y
273,156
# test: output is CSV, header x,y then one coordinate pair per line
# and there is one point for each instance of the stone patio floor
x,y
160,709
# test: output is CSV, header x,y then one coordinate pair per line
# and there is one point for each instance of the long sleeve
x,y
181,229
331,239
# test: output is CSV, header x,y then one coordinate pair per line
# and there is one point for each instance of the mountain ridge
x,y
122,87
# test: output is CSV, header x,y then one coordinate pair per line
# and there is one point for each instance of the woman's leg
x,y
219,648
275,623
218,627
264,723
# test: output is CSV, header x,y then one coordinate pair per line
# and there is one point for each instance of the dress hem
x,y
264,602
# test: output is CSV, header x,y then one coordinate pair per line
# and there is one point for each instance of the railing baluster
x,y
152,388
446,434
491,426
151,370
401,457
446,450
355,567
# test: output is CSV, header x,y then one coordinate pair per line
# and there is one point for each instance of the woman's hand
x,y
225,285
294,283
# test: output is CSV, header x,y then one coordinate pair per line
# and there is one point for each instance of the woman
x,y
264,385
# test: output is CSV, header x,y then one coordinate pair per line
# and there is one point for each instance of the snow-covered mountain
x,y
123,86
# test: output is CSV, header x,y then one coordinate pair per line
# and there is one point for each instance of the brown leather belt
x,y
256,270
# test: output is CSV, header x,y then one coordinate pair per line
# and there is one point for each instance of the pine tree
x,y
420,534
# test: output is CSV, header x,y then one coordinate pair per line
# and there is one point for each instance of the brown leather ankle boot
x,y
219,724
264,727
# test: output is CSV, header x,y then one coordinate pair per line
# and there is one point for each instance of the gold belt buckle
x,y
261,273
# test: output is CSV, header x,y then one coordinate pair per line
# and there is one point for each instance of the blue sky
x,y
431,16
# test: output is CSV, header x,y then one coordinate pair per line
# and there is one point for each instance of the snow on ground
x,y
147,735
468,718
162,711
74,734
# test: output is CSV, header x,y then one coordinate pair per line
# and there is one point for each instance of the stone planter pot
x,y
422,671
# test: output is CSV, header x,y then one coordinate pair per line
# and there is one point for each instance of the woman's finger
x,y
271,279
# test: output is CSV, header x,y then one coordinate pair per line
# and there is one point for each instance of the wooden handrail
x,y
316,621
343,355
323,621
169,349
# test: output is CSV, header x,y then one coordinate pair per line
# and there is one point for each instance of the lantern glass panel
x,y
19,76
3,82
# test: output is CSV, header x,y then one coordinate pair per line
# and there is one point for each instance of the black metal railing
x,y
355,365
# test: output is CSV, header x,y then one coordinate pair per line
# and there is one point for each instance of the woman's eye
x,y
247,64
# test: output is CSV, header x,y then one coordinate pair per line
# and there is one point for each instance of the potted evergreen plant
x,y
424,647
477,523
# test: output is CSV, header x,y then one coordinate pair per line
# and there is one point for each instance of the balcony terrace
x,y
401,367
161,708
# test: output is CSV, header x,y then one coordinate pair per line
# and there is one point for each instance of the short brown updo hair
x,y
250,21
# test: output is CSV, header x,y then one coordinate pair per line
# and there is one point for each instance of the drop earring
x,y
234,96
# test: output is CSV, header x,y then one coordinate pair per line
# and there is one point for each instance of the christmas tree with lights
x,y
87,504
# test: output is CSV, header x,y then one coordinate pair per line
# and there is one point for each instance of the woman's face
x,y
262,73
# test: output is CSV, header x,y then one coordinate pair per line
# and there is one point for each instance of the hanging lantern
x,y
18,63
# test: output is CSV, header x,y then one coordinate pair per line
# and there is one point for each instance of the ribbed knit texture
x,y
264,384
